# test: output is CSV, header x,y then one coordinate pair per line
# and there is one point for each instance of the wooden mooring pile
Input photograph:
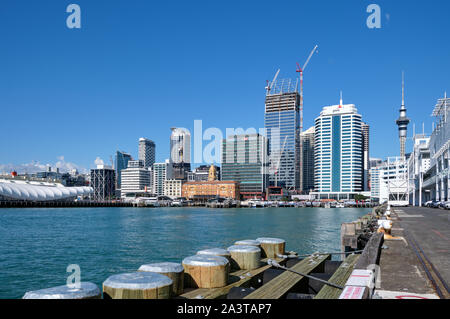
x,y
250,269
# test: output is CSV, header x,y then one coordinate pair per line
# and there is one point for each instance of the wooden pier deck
x,y
340,277
282,284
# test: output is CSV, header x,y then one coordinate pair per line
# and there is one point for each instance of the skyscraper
x,y
402,122
180,153
245,160
338,152
146,151
366,160
307,160
282,123
122,159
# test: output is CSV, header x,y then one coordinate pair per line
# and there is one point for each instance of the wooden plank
x,y
280,285
340,277
235,281
371,253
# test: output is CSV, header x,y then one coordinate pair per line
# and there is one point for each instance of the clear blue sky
x,y
137,68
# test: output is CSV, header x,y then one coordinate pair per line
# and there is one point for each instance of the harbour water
x,y
37,245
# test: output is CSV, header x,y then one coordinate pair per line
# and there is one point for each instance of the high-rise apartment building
x,y
307,161
282,123
146,151
338,152
160,172
245,160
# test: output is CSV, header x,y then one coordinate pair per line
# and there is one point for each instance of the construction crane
x,y
301,70
270,84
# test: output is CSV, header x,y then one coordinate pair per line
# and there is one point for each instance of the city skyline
x,y
367,68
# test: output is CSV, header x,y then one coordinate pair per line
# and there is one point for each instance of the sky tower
x,y
402,121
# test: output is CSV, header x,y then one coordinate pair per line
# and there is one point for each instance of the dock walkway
x,y
416,228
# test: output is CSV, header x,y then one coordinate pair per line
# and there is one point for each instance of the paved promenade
x,y
420,228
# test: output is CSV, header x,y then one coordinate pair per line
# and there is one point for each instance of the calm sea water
x,y
37,245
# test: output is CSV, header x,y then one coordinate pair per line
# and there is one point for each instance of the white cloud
x,y
99,161
36,166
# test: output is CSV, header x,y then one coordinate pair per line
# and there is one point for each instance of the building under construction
x,y
282,123
103,183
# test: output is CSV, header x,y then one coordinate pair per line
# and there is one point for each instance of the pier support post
x,y
137,285
174,271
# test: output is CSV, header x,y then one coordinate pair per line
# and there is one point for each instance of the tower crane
x,y
270,84
301,70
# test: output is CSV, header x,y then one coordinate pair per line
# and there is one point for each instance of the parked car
x,y
442,204
447,205
435,204
428,204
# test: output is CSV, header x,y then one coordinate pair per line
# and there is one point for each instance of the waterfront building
x,y
103,183
160,173
366,159
307,160
282,124
30,189
203,191
418,164
180,153
135,179
276,193
147,151
394,181
437,179
245,160
338,152
173,188
122,159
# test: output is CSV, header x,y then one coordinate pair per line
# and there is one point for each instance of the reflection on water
x,y
36,245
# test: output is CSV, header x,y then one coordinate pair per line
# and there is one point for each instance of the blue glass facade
x,y
336,153
282,123
122,159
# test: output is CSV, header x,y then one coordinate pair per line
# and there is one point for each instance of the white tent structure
x,y
29,191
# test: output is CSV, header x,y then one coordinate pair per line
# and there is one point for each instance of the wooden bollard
x,y
174,271
215,252
205,271
248,242
137,285
86,290
245,257
272,246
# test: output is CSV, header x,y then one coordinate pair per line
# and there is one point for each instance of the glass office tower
x,y
282,124
244,160
122,159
